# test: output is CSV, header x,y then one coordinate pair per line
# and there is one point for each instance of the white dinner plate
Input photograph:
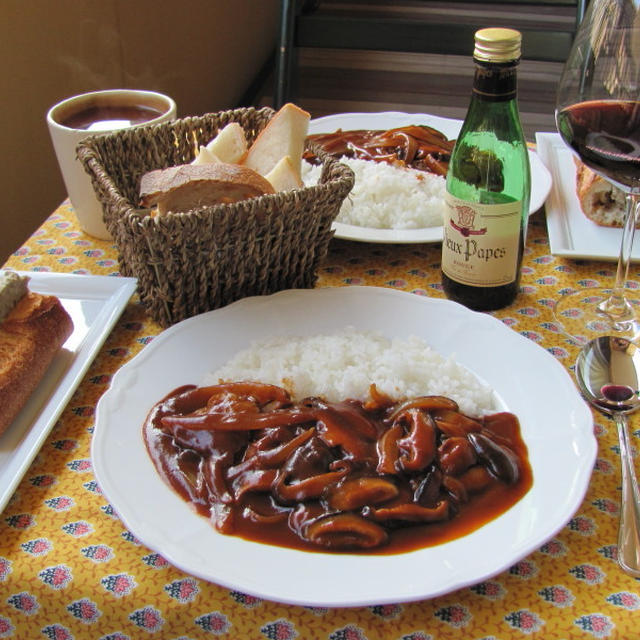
x,y
556,426
571,233
540,177
94,304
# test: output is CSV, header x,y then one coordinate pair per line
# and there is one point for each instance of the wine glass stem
x,y
616,306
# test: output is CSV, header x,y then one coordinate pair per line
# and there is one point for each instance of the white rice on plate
x,y
388,197
344,365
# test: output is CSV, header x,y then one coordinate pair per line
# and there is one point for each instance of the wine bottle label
x,y
481,241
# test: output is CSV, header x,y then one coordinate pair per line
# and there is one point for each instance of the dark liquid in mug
x,y
110,116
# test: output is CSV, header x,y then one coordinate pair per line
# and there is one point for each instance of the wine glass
x,y
598,117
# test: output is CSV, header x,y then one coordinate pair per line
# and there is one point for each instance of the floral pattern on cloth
x,y
70,569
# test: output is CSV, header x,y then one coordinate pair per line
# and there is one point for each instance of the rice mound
x,y
388,197
343,365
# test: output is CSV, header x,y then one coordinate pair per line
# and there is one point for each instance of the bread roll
x,y
600,201
31,334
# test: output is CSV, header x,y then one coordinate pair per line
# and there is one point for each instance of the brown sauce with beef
x,y
416,146
378,477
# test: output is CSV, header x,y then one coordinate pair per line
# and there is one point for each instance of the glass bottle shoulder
x,y
490,161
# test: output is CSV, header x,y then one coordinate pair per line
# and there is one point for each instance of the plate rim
x,y
296,596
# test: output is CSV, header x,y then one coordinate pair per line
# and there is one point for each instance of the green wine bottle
x,y
488,183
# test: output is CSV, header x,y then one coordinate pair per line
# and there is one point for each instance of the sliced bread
x,y
284,177
182,188
284,135
230,145
30,336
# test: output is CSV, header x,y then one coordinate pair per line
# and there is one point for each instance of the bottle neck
x,y
495,81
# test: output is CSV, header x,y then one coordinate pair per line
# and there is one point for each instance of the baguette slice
x,y
284,135
184,187
30,336
600,201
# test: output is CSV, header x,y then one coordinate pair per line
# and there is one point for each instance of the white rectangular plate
x,y
94,304
571,233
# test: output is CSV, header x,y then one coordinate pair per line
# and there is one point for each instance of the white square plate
x,y
94,304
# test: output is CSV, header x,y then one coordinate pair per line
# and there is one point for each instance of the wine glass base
x,y
581,320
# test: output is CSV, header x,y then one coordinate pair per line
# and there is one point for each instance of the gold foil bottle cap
x,y
497,45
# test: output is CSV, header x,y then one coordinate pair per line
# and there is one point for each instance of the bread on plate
x,y
600,201
33,328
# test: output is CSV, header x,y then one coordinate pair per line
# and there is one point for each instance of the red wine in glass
x,y
606,136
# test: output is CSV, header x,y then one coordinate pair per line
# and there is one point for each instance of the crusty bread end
x,y
184,187
600,201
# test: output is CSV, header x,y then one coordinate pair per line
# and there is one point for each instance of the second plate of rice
x,y
392,205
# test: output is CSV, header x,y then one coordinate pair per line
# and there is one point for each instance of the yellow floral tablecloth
x,y
69,568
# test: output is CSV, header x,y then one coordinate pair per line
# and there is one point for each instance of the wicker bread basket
x,y
204,259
